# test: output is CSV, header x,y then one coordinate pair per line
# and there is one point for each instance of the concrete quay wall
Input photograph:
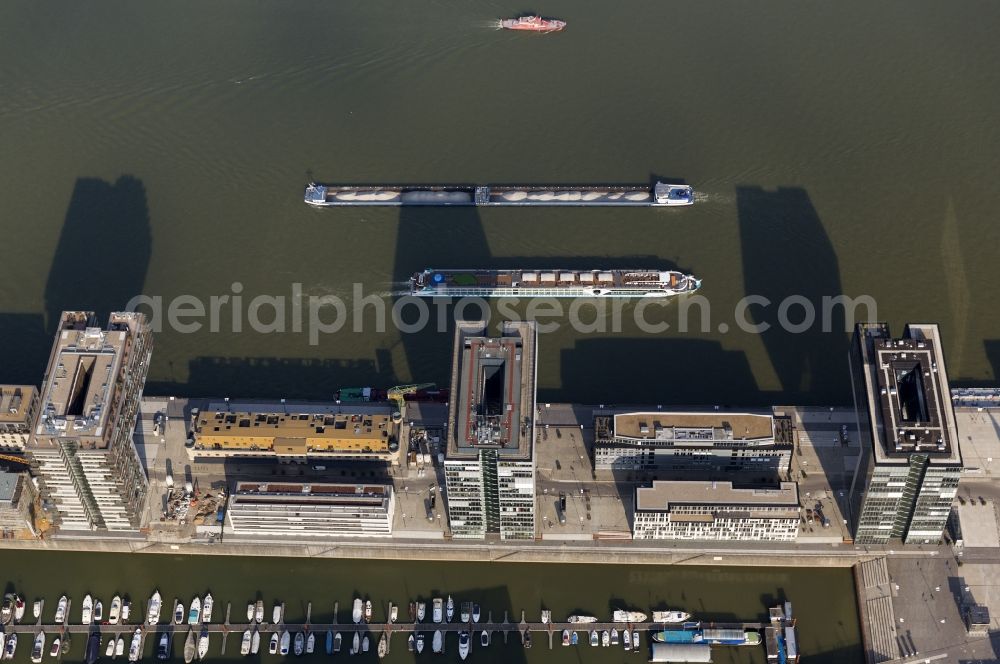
x,y
463,552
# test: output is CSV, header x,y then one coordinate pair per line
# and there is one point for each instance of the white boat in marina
x,y
629,616
627,639
115,611
98,612
595,639
546,617
357,612
393,613
368,610
203,644
258,611
299,644
606,638
120,646
581,619
38,647
466,613
276,615
566,638
153,615
190,647
194,614
110,650
206,608
411,642
126,610
36,609
365,643
135,648
286,641
10,647
255,643
61,610
614,637
337,640
421,611
484,638
87,614
356,644
310,643
178,614
635,640
250,612
450,608
437,643
475,613
55,650
19,608
246,642
437,613
420,643
671,616
272,647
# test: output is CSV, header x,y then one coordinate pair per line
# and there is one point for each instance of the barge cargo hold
x,y
658,195
552,283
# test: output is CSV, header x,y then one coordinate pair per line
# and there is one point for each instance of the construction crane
x,y
398,396
14,459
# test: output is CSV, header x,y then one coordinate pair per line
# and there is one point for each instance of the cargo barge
x,y
659,195
552,283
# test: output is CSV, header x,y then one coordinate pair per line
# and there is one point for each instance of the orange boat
x,y
532,24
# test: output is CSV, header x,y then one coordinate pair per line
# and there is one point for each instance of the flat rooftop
x,y
15,402
664,495
312,493
294,433
493,391
8,486
693,427
78,390
908,394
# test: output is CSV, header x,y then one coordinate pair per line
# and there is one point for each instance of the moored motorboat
x,y
546,616
178,614
595,640
98,611
466,613
574,638
19,608
135,648
246,642
365,643
393,613
337,641
635,640
463,644
299,644
383,646
119,646
7,610
357,612
310,643
56,648
250,612
420,643
286,640
565,637
163,649
36,608
87,612
258,611
581,619
484,638
115,610
532,24
272,647
203,644
255,643
627,639
671,616
93,651
329,642
421,611
411,642
628,616
368,610
356,644
126,609
153,615
614,637
194,614
110,650
206,608
437,643
437,613
61,610
527,638
605,638
10,648
475,613
276,614
190,647
38,647
450,609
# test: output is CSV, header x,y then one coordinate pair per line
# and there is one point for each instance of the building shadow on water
x,y
100,263
787,254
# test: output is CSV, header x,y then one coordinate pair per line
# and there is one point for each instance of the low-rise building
x,y
697,510
688,442
294,437
18,407
289,509
16,496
